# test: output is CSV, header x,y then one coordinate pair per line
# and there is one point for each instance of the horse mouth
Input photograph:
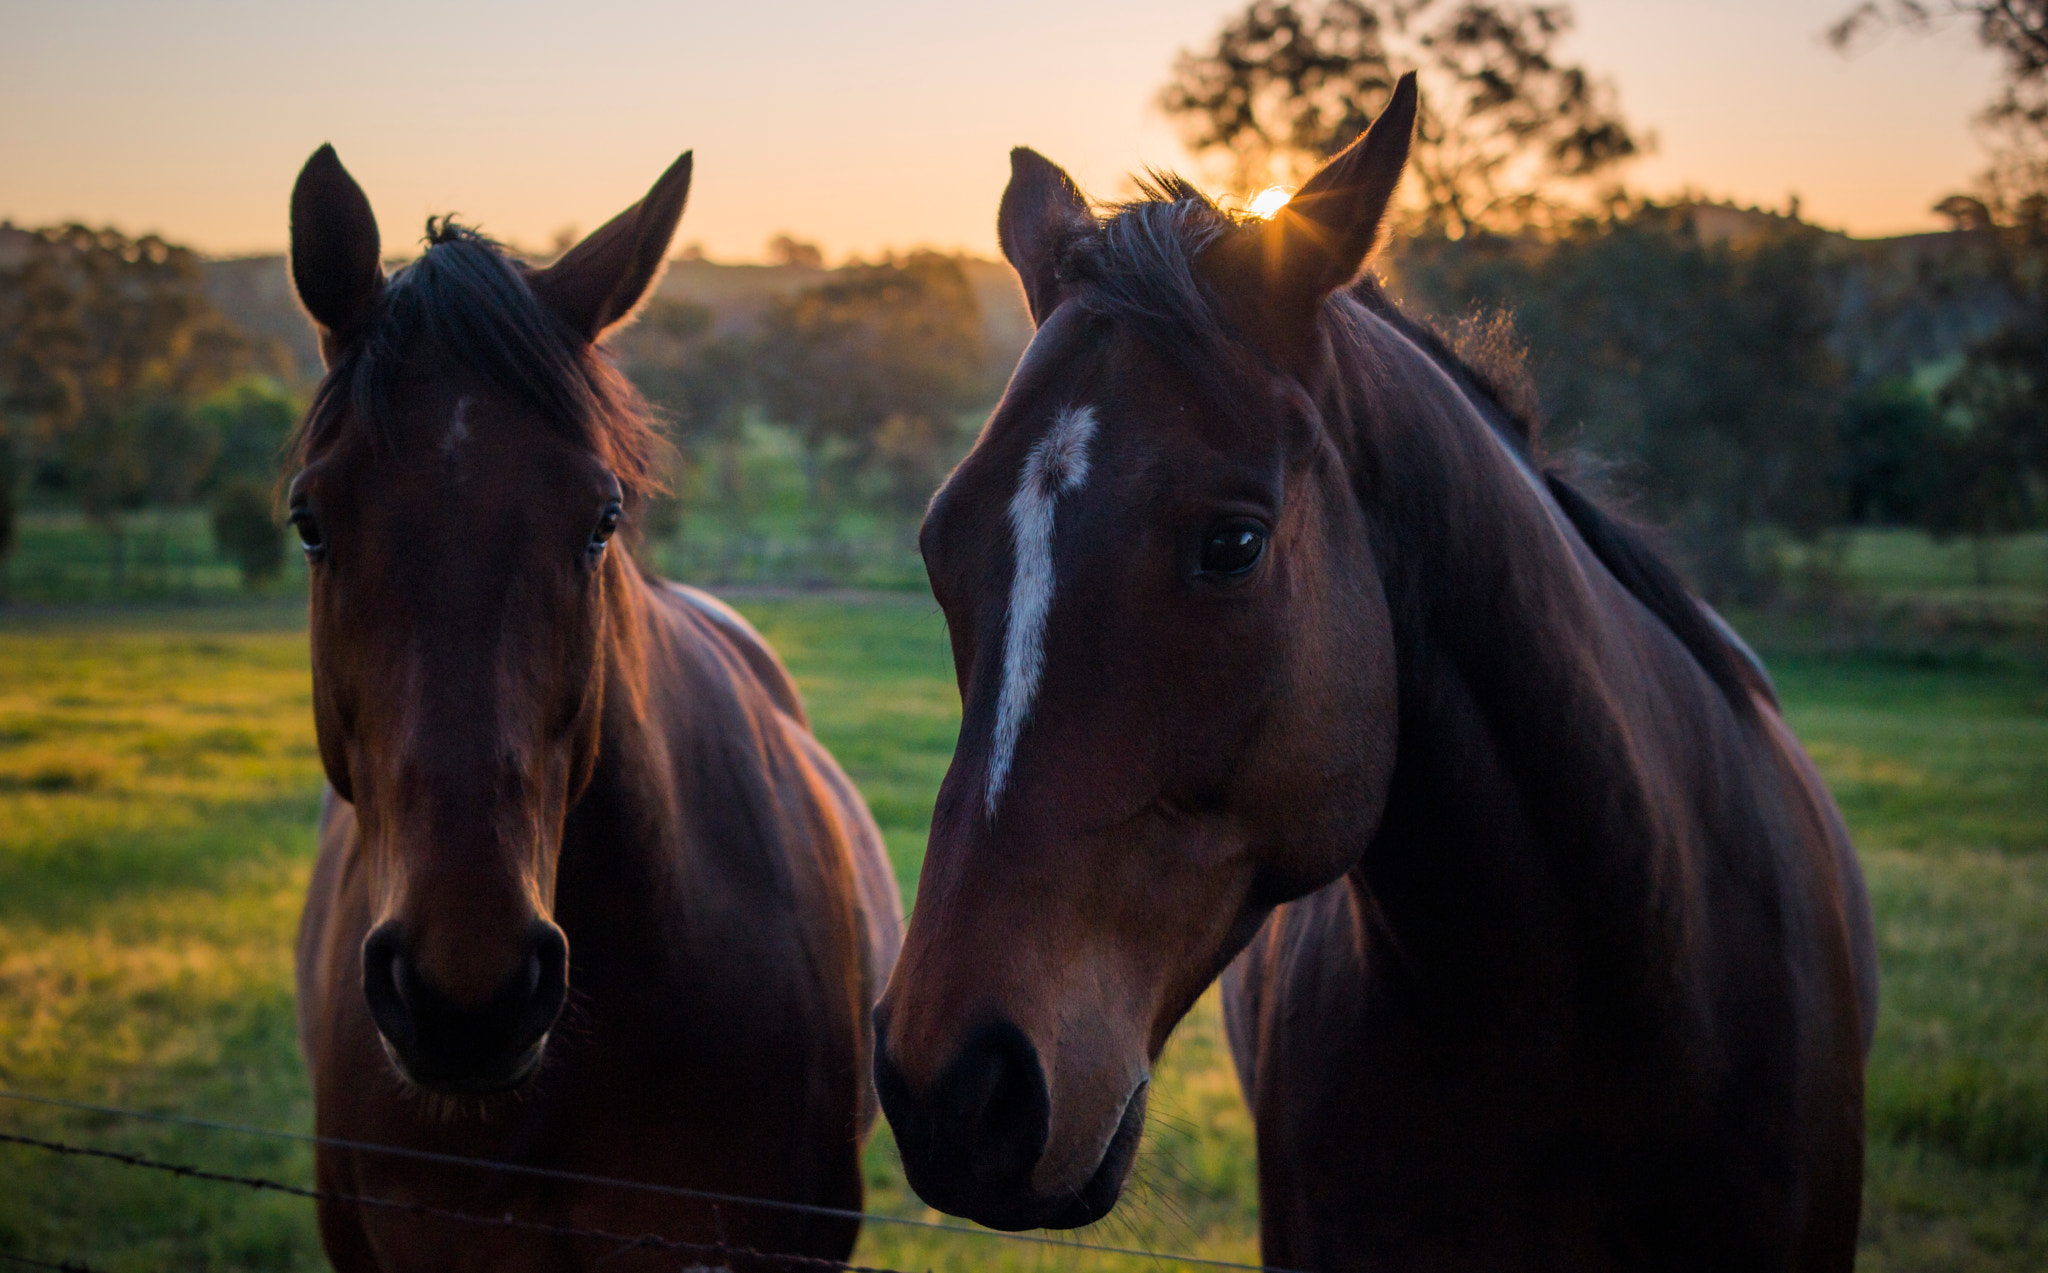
x,y
470,1079
1092,1201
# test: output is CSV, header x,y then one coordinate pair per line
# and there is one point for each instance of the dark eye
x,y
311,538
1233,547
601,534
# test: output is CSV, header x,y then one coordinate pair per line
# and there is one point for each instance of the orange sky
x,y
862,127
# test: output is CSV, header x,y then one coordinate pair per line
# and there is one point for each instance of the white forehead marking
x,y
1057,464
458,428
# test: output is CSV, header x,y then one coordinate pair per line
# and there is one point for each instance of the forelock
x,y
1138,268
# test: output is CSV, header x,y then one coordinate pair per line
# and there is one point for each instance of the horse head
x,y
465,464
1178,699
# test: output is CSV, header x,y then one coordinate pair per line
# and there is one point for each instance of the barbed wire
x,y
680,1191
622,1242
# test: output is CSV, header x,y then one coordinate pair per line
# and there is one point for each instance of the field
x,y
157,795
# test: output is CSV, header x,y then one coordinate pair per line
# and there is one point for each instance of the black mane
x,y
1137,266
466,306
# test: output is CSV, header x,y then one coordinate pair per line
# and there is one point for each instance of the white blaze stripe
x,y
1057,464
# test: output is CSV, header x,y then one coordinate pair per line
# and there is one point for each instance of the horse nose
x,y
446,1046
970,1141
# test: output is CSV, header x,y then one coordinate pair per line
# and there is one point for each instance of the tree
x,y
1705,366
105,342
901,340
2015,122
1889,454
1992,460
245,529
786,249
250,423
702,381
1504,127
10,488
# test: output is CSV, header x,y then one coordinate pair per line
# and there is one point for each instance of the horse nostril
x,y
980,1128
384,975
1002,1105
464,1046
547,978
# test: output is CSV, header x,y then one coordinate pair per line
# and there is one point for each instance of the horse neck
x,y
629,750
1530,750
672,706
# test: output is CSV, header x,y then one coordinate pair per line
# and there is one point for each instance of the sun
x,y
1269,201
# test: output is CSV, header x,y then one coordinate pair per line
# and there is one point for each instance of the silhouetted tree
x,y
2015,122
1504,127
1992,458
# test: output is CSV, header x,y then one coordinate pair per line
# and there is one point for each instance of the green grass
x,y
157,797
1908,563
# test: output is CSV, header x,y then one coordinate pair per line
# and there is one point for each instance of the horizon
x,y
865,133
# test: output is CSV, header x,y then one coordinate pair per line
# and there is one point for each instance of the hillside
x,y
255,292
1905,303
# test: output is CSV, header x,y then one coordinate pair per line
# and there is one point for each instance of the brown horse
x,y
1260,599
589,895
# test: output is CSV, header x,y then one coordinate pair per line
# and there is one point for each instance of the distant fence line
x,y
168,556
61,559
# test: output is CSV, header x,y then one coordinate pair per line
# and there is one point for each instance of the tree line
x,y
122,388
875,371
1746,376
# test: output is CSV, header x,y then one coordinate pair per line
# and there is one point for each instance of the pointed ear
x,y
335,253
1317,242
1041,208
600,281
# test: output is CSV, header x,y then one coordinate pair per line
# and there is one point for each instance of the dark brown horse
x,y
589,896
1272,629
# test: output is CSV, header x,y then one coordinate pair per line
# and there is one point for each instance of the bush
x,y
246,531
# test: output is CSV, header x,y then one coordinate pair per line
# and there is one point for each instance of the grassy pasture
x,y
157,796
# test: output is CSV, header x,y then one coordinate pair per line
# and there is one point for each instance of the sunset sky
x,y
860,126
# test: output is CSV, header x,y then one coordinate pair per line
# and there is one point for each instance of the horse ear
x,y
1041,207
335,252
601,280
1317,242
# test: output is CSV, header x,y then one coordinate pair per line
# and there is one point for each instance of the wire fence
x,y
721,1252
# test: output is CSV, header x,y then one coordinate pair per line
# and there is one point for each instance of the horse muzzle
x,y
973,1140
459,1050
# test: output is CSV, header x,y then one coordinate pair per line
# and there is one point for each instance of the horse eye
x,y
310,537
1233,547
607,526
